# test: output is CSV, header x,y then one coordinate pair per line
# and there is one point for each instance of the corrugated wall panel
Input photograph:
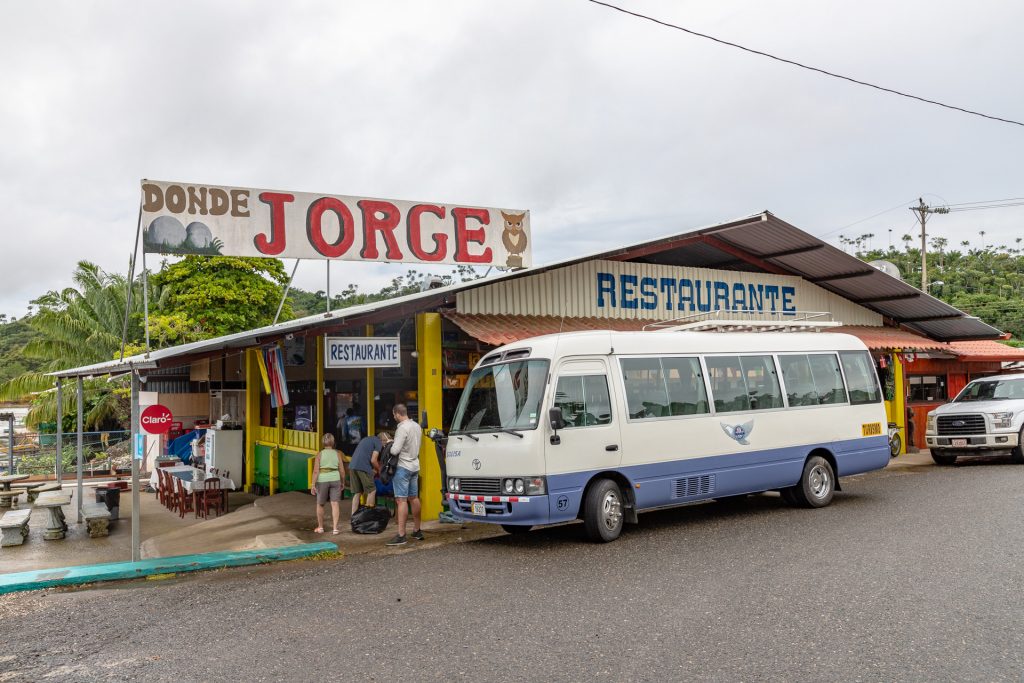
x,y
573,292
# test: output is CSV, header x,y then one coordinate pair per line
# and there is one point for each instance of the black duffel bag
x,y
367,520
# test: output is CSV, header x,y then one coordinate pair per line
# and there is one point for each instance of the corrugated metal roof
x,y
761,243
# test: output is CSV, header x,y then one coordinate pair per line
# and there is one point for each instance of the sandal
x,y
318,530
337,531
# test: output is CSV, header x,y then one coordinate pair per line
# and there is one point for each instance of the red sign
x,y
156,419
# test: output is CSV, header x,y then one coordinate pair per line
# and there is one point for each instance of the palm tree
x,y
77,326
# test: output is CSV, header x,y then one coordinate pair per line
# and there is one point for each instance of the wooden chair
x,y
184,500
163,491
212,496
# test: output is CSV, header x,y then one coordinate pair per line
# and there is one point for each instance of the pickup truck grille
x,y
479,485
960,425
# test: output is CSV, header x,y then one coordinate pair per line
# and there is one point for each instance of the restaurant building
x,y
419,349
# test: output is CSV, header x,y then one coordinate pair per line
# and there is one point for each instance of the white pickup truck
x,y
987,416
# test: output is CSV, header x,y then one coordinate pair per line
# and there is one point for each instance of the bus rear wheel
x,y
602,511
516,529
817,484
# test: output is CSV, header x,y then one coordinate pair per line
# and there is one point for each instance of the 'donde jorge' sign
x,y
185,218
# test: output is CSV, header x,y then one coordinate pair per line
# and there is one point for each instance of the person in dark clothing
x,y
365,464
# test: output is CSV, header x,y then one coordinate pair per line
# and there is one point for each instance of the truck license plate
x,y
479,510
959,442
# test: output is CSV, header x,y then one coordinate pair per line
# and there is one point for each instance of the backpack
x,y
367,520
388,462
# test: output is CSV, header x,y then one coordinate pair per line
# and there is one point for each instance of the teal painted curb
x,y
115,571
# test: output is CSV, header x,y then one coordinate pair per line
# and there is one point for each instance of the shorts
x,y
407,483
362,482
328,489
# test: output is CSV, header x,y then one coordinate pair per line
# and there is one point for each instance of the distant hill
x,y
13,336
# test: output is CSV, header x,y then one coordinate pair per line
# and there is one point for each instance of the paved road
x,y
911,575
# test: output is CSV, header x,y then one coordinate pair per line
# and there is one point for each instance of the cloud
x,y
608,129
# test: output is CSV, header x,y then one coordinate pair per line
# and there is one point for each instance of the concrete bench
x,y
97,519
8,499
33,493
14,527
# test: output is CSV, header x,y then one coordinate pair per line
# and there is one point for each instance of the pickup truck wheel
x,y
1017,454
941,457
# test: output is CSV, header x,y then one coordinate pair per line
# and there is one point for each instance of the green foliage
x,y
14,335
203,297
987,282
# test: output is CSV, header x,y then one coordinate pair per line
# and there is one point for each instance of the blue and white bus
x,y
602,425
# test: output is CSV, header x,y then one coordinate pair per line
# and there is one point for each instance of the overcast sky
x,y
609,129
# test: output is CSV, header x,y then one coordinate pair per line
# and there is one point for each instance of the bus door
x,y
590,440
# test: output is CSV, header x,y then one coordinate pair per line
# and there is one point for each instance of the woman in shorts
x,y
327,477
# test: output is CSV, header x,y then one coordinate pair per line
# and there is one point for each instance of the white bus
x,y
601,425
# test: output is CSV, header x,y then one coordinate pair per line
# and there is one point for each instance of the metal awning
x,y
757,243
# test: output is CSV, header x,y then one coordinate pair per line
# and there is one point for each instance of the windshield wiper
x,y
510,431
464,434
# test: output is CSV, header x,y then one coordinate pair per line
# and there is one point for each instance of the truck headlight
x,y
1002,420
930,426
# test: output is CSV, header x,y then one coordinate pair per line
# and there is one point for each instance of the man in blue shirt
x,y
365,464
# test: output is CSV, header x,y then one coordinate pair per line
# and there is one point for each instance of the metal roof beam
x,y
881,299
843,276
792,252
924,319
743,255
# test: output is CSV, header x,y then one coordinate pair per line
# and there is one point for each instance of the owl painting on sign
x,y
514,238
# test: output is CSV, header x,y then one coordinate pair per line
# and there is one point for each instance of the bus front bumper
x,y
519,510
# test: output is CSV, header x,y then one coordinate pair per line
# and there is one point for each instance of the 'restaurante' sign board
x,y
185,218
362,352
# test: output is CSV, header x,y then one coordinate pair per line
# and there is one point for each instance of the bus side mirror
x,y
557,422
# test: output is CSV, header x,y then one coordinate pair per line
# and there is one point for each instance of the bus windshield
x,y
503,396
992,390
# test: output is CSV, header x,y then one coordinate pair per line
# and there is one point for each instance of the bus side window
x,y
828,380
584,400
796,371
646,395
728,387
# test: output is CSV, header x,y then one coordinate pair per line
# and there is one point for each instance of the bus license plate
x,y
959,442
479,510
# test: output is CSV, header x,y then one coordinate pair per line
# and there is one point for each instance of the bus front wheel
x,y
516,529
602,511
817,484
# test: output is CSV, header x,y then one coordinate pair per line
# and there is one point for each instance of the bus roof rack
x,y
747,321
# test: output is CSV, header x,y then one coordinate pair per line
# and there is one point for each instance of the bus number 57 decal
x,y
871,429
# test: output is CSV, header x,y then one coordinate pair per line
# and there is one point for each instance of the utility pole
x,y
922,210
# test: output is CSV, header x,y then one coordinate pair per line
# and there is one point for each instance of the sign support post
x,y
136,550
81,463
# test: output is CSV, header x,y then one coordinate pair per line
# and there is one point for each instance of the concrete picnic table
x,y
56,525
6,494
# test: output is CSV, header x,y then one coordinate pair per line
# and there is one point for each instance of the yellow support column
x,y
428,357
371,391
253,385
899,402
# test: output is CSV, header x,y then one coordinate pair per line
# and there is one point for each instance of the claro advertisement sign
x,y
185,218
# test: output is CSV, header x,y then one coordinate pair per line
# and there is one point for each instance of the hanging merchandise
x,y
888,377
278,382
263,372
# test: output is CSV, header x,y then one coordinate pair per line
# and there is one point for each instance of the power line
x,y
802,66
901,205
988,206
989,201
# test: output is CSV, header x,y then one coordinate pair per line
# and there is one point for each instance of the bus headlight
x,y
453,484
520,486
1002,420
508,485
535,486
